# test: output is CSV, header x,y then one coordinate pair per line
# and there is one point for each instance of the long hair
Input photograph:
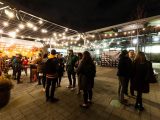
x,y
140,57
87,57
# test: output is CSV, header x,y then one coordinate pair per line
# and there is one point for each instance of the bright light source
x,y
35,28
110,35
6,24
129,32
9,13
79,44
22,36
75,42
1,31
12,34
60,35
17,30
133,31
63,34
21,26
156,39
55,34
125,33
93,36
44,31
66,30
105,35
116,34
30,25
40,22
144,29
135,41
118,43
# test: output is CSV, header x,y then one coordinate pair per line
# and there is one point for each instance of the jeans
x,y
123,87
72,75
51,82
87,94
139,98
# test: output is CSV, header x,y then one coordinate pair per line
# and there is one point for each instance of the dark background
x,y
85,15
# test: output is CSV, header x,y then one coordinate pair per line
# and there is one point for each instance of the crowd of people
x,y
136,69
50,68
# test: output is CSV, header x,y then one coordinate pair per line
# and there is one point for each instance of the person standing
x,y
132,57
124,74
141,73
80,55
25,64
17,63
70,67
60,70
51,76
87,71
37,62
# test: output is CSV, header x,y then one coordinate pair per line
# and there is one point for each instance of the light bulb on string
x,y
5,24
12,34
17,30
44,31
30,25
9,13
40,22
35,28
66,30
21,26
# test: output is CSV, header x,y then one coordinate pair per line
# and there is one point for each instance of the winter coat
x,y
124,67
71,63
86,73
141,74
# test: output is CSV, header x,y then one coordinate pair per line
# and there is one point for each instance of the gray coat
x,y
86,74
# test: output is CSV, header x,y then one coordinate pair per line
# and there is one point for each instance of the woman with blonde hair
x,y
141,73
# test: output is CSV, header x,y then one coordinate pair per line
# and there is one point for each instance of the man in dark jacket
x,y
51,76
124,74
71,61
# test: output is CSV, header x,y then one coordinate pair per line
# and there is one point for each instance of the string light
x,y
21,26
66,30
133,31
110,35
40,22
35,28
116,34
6,24
44,31
17,30
9,14
144,29
30,25
125,33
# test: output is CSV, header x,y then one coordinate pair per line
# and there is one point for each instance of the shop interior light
x,y
22,37
12,34
6,24
135,41
21,26
116,34
9,13
110,35
60,35
133,31
144,29
156,39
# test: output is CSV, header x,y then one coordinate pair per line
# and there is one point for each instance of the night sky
x,y
85,15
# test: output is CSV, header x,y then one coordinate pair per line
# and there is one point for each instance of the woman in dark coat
x,y
141,74
86,70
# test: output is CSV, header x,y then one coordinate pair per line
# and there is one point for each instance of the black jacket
x,y
124,67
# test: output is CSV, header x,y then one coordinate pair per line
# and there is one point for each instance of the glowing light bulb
x,y
40,22
30,25
12,34
9,13
1,31
6,24
21,26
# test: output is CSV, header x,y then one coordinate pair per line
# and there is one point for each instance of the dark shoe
x,y
54,100
89,102
141,108
47,99
84,105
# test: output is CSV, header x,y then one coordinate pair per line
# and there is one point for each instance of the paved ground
x,y
28,102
